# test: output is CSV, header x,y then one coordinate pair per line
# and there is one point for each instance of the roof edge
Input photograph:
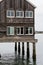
x,y
31,4
1,1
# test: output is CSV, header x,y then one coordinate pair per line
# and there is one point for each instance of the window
x,y
19,30
10,13
29,30
10,30
29,14
19,14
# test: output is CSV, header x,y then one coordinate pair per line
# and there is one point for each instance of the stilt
x,y
19,48
23,50
34,52
15,46
28,52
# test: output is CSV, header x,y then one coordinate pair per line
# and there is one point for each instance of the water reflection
x,y
18,61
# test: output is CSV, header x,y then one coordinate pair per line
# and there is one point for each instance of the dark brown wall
x,y
15,5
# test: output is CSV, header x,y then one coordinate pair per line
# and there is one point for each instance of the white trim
x,y
10,13
19,15
29,14
20,30
7,30
29,33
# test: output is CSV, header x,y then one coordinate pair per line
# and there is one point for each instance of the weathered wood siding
x,y
15,5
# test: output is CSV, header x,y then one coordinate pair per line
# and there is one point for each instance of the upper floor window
x,y
19,14
10,30
10,13
29,14
29,30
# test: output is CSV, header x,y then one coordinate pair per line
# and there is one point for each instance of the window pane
x,y
21,30
27,14
18,30
26,30
8,13
21,14
17,14
12,13
8,30
30,30
12,30
30,14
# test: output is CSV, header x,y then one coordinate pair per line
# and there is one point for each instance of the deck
x,y
17,39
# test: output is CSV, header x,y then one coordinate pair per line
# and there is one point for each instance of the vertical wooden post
x,y
34,52
22,49
28,52
15,46
19,48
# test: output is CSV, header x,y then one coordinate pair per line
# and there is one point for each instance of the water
x,y
12,59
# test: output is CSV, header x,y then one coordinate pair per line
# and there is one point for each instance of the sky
x,y
9,47
38,14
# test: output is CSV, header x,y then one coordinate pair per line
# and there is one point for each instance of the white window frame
x,y
7,30
29,31
10,13
20,30
19,15
29,14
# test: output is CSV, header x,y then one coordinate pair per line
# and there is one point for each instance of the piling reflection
x,y
20,62
24,62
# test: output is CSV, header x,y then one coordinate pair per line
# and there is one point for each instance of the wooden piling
x,y
22,49
34,52
28,52
15,46
19,48
0,55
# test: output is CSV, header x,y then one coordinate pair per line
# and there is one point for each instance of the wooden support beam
x,y
28,52
34,52
19,48
23,50
18,39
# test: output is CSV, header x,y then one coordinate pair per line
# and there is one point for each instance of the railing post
x,y
23,50
19,48
28,52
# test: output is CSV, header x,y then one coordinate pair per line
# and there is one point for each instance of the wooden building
x,y
17,22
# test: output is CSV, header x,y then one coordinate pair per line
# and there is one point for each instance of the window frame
x,y
20,30
29,14
29,31
19,15
10,13
7,30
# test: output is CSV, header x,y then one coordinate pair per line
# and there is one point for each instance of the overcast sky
x,y
38,14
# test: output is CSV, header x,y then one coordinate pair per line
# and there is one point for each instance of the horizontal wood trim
x,y
17,39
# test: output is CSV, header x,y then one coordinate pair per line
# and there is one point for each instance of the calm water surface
x,y
12,59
